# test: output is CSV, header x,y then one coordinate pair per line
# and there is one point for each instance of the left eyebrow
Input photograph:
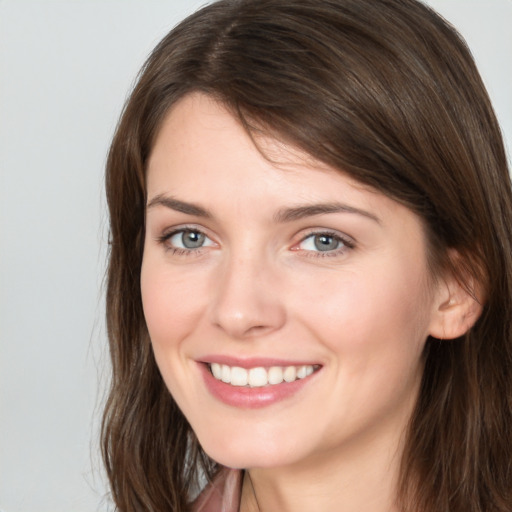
x,y
300,212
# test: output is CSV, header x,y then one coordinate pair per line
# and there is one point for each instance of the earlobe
x,y
457,309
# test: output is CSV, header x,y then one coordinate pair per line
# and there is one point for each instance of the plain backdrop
x,y
66,67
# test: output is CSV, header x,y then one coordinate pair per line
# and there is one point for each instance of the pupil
x,y
325,243
192,239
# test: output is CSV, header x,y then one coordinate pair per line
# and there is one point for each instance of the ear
x,y
457,306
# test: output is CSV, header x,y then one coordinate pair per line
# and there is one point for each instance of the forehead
x,y
203,154
200,139
199,128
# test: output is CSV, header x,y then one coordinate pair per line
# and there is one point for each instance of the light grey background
x,y
65,69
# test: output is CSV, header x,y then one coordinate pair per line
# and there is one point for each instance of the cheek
x,y
172,308
171,303
362,312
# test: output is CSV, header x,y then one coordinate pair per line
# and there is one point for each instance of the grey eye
x,y
326,242
321,242
192,239
189,239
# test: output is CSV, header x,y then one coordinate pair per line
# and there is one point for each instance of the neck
x,y
362,477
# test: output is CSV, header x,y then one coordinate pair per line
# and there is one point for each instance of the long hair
x,y
388,92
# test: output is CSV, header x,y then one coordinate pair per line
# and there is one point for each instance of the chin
x,y
237,453
247,460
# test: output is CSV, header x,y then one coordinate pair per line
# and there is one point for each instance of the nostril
x,y
258,330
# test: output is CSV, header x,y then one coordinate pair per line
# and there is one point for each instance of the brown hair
x,y
388,92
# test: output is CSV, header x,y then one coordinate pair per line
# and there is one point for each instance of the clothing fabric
x,y
222,494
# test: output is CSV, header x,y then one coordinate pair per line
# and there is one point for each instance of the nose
x,y
247,302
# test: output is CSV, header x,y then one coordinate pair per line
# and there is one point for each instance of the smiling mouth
x,y
260,376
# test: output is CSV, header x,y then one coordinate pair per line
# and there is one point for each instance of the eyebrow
x,y
300,212
179,206
282,216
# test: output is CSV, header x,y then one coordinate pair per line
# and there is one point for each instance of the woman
x,y
310,281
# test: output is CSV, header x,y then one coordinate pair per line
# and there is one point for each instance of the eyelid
x,y
348,242
168,233
171,230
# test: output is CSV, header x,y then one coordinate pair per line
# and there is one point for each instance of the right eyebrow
x,y
179,206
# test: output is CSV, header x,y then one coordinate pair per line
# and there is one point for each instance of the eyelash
x,y
178,251
346,243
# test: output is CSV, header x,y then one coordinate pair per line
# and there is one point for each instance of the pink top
x,y
222,495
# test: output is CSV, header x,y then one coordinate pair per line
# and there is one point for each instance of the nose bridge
x,y
247,302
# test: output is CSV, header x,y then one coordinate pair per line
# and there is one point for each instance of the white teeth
x,y
239,376
275,375
259,376
216,370
290,374
226,374
302,372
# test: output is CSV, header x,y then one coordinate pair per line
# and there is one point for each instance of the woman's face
x,y
305,293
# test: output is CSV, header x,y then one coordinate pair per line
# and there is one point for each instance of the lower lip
x,y
252,398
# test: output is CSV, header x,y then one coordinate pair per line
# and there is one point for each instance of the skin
x,y
259,287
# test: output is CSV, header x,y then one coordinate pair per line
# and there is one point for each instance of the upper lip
x,y
254,362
